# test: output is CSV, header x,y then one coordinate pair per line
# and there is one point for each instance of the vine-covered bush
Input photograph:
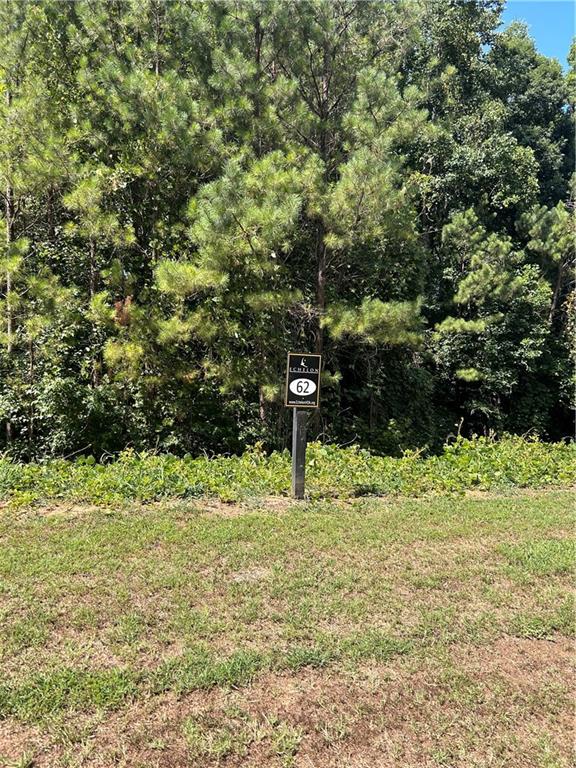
x,y
331,471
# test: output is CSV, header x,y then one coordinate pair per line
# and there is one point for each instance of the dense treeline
x,y
191,189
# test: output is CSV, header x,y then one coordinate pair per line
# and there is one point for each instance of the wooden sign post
x,y
302,392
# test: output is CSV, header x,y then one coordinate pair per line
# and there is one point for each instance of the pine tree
x,y
191,189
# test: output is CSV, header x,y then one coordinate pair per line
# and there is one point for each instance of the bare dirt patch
x,y
272,504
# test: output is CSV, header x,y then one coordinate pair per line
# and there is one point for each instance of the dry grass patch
x,y
508,704
407,632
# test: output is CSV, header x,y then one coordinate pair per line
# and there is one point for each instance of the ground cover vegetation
x,y
190,189
415,632
478,464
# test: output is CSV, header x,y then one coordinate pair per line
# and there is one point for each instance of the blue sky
x,y
551,24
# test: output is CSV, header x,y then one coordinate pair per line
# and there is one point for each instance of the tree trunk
x,y
31,358
321,255
371,401
50,215
258,41
92,278
157,36
557,291
320,287
261,405
92,289
258,151
9,213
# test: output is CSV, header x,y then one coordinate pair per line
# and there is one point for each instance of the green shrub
x,y
331,471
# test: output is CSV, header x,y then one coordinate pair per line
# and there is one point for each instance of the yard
x,y
358,633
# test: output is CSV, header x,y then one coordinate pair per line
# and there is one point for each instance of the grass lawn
x,y
364,633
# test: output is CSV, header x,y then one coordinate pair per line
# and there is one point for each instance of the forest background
x,y
192,189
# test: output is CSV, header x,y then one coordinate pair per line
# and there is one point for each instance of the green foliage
x,y
191,190
331,471
185,280
501,331
377,322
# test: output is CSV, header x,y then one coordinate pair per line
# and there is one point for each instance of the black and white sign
x,y
303,380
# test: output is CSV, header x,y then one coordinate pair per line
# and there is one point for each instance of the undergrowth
x,y
330,471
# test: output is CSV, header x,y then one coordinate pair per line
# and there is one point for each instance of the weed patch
x,y
331,471
47,694
548,557
200,669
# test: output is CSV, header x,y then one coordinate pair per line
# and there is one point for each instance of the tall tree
x,y
191,189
